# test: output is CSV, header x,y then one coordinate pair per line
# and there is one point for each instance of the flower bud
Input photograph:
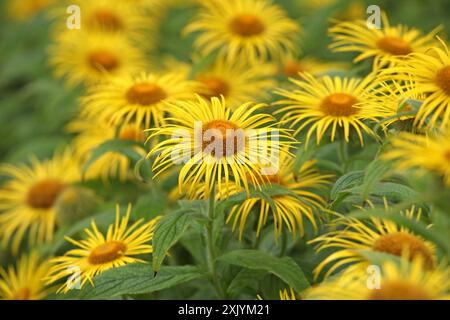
x,y
74,204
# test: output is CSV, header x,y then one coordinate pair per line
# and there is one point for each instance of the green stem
x,y
343,153
211,248
283,244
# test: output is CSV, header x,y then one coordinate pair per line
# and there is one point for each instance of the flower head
x,y
375,234
404,281
381,44
99,252
215,144
26,280
244,29
27,198
422,152
324,104
93,57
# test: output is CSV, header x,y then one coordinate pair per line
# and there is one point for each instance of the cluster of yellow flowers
x,y
131,94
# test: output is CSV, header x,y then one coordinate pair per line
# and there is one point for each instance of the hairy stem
x,y
211,247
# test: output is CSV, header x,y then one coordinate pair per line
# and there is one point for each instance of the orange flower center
x,y
443,79
131,134
145,94
215,87
103,60
230,138
43,194
247,25
394,45
395,243
292,69
107,20
107,252
272,178
339,105
22,294
447,155
399,290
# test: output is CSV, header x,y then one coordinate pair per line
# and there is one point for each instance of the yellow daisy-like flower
x,y
236,81
214,143
100,16
99,252
287,210
27,199
381,44
139,99
375,234
321,104
22,10
420,152
26,281
252,30
407,281
91,134
430,72
90,58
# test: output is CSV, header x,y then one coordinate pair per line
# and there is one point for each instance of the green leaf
x,y
137,279
167,233
246,278
393,191
375,171
126,147
284,268
149,206
347,181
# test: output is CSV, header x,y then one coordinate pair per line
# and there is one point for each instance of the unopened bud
x,y
74,204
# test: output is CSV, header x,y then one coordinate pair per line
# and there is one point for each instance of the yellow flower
x,y
284,295
22,10
430,72
288,210
420,152
375,234
214,144
90,57
101,17
288,295
321,104
249,30
92,133
407,281
381,44
27,199
138,99
99,252
26,281
236,81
